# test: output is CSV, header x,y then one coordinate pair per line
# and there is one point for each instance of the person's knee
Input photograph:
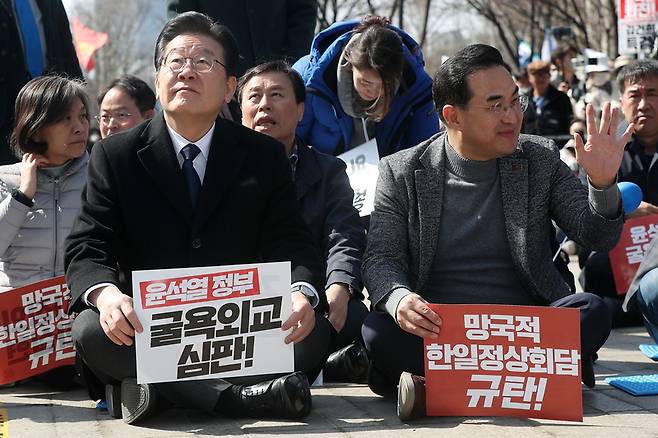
x,y
86,329
595,307
311,352
374,333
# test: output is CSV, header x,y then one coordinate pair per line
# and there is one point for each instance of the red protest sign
x,y
497,360
198,288
638,11
35,330
626,256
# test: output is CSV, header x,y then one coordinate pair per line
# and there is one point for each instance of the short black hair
x,y
450,86
41,102
196,23
277,66
137,89
635,71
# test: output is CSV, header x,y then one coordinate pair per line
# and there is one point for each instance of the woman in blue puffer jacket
x,y
366,80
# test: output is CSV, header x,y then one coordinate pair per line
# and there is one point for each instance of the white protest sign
x,y
636,25
221,321
362,170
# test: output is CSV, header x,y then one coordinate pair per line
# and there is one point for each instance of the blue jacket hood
x,y
327,47
411,117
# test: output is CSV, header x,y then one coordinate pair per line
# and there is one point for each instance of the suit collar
x,y
159,159
514,181
179,142
225,161
308,170
429,190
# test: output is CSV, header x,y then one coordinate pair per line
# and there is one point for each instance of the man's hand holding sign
x,y
117,314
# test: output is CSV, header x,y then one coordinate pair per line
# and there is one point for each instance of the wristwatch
x,y
307,291
22,198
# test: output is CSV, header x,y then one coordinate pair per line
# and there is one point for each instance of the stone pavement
x,y
349,410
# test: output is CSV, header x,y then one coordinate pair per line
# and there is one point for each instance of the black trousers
x,y
111,363
599,279
356,314
392,350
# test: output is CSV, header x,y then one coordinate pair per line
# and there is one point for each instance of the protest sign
x,y
497,360
35,330
362,162
636,25
221,321
626,256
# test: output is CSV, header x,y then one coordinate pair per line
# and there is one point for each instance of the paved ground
x,y
350,410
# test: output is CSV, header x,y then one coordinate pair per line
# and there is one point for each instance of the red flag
x,y
86,42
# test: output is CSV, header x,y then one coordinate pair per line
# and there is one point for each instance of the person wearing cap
x,y
598,84
551,108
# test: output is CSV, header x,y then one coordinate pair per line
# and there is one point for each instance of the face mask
x,y
599,79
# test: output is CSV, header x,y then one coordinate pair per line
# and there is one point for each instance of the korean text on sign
x,y
220,322
626,256
362,170
636,25
35,330
505,360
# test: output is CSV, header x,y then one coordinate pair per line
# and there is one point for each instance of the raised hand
x,y
28,167
602,154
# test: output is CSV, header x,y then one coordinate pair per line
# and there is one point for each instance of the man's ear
x,y
148,114
231,85
452,116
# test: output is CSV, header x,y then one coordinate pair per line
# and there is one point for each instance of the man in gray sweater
x,y
465,217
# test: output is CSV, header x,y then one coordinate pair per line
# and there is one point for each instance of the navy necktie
x,y
191,177
31,39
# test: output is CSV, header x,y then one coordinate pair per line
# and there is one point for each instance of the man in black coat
x,y
265,29
550,110
57,51
272,101
189,189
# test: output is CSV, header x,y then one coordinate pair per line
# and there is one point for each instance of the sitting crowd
x,y
462,215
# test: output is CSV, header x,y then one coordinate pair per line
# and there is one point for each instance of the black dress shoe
x,y
137,401
349,364
411,397
286,397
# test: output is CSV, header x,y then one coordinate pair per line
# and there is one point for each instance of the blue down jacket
x,y
411,119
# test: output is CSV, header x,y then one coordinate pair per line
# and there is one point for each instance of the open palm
x,y
602,154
